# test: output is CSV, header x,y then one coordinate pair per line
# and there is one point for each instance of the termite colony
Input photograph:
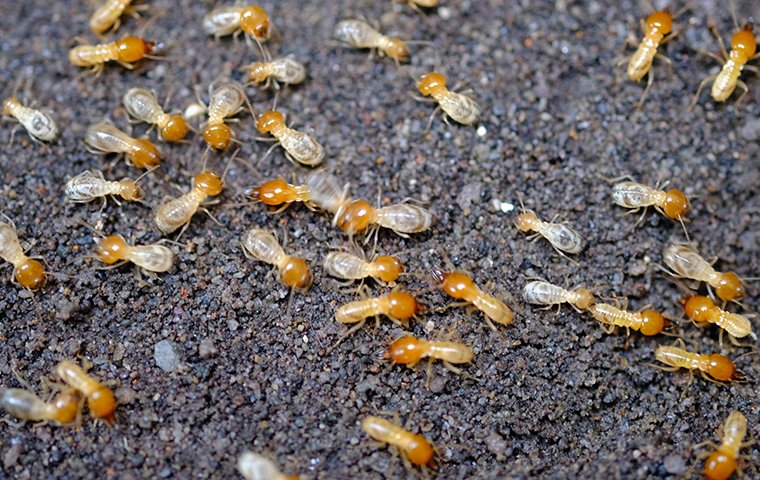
x,y
380,280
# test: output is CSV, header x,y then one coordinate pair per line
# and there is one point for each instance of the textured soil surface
x,y
552,396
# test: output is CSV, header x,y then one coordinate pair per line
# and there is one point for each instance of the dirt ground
x,y
551,396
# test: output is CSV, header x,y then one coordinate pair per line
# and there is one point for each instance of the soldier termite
x,y
39,125
299,147
28,272
143,106
253,466
544,293
262,245
25,405
100,399
687,263
105,138
702,310
461,287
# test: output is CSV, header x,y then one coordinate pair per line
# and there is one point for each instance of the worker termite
x,y
177,212
713,367
648,322
225,101
721,463
545,293
262,245
743,48
461,287
672,203
457,106
359,34
410,350
702,310
105,138
40,125
25,405
253,466
89,185
687,263
285,70
100,399
115,251
562,237
107,16
251,20
28,272
126,52
658,30
299,147
358,215
398,305
347,266
416,448
143,106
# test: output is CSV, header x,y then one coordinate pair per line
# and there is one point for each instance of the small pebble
x,y
166,356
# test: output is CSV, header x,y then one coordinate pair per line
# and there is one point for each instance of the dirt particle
x,y
166,355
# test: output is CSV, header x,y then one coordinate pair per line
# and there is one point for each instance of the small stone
x,y
674,464
496,445
207,349
11,456
166,356
67,310
469,194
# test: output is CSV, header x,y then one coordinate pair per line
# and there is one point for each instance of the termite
x,y
263,246
253,466
126,52
143,106
100,399
252,20
107,16
416,448
358,215
657,31
398,305
25,405
360,34
410,350
299,147
687,263
713,367
562,237
89,185
326,192
273,72
417,5
114,250
743,48
38,124
457,106
545,293
648,322
672,203
178,212
461,287
721,463
702,310
279,192
28,272
224,102
104,137
348,266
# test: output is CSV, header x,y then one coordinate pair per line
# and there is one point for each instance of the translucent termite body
x,y
545,293
107,16
648,322
687,263
717,366
126,52
562,237
106,138
721,463
90,185
410,350
356,216
416,448
224,102
399,306
279,192
100,399
253,466
360,34
299,147
285,70
177,212
28,272
348,266
461,287
251,20
38,124
143,105
263,246
326,192
25,405
703,310
153,258
672,203
457,106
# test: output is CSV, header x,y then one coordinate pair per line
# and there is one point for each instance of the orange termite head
x,y
730,287
269,120
721,368
66,406
526,221
396,49
175,129
387,268
676,204
402,306
457,285
719,466
132,49
431,83
420,451
357,217
112,249
652,322
255,22
296,274
698,308
130,191
30,274
217,135
660,21
209,183
405,350
145,154
585,298
102,403
744,42
273,192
